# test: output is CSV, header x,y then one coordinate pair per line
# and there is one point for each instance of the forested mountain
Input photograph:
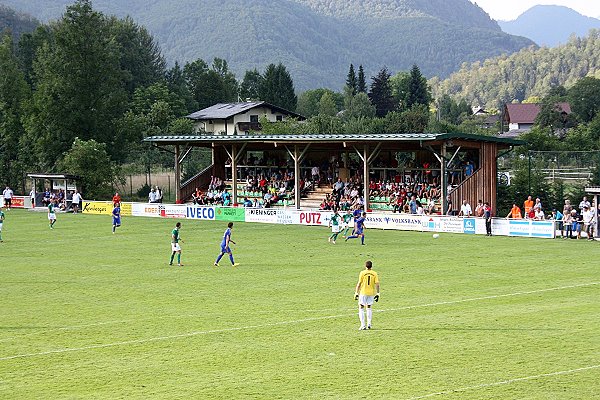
x,y
530,72
315,39
16,23
550,25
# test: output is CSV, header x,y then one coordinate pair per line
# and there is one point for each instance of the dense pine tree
x,y
418,89
249,89
381,93
362,83
277,87
351,80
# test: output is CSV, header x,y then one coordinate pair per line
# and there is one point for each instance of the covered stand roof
x,y
53,176
396,140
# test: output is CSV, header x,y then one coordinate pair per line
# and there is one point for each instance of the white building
x,y
238,118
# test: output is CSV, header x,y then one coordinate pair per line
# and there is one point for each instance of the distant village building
x,y
521,117
238,118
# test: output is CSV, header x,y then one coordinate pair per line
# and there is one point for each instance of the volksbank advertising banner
x,y
230,214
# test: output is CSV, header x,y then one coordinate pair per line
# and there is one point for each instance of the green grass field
x,y
88,314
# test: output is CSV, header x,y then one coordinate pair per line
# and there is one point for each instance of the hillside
x,y
550,25
16,23
315,39
530,72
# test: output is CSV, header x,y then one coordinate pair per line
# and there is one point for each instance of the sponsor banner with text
x,y
144,210
402,222
262,215
200,212
172,210
104,208
16,202
230,214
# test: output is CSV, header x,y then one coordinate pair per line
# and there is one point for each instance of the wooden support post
x,y
234,160
366,191
177,176
444,179
297,177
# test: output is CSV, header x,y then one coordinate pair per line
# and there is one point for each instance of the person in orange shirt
x,y
116,199
528,205
515,212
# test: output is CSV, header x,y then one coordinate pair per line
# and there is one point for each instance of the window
x,y
279,118
254,118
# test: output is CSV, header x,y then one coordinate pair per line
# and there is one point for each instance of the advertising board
x,y
199,212
262,215
230,214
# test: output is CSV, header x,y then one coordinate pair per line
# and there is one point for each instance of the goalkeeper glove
x,y
376,298
355,296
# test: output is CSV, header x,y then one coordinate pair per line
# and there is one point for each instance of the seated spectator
x,y
247,202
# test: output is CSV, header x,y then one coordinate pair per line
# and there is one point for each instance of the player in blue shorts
x,y
225,246
116,217
359,230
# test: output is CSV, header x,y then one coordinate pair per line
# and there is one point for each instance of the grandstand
x,y
372,152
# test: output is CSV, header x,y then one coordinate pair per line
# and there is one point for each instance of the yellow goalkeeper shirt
x,y
367,280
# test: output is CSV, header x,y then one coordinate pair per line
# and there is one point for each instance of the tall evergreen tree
x,y
362,82
418,89
14,92
249,89
277,87
140,56
230,84
381,93
79,84
351,80
176,84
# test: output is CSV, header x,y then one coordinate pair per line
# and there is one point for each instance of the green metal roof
x,y
391,137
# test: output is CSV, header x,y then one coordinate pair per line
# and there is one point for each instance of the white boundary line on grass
x,y
297,321
506,382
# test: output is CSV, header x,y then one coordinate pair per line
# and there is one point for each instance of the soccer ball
x,y
436,235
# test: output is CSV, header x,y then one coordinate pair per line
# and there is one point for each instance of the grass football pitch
x,y
89,314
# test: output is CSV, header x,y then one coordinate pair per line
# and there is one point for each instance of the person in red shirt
x,y
116,199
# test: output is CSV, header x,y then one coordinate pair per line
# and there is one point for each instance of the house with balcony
x,y
238,118
521,117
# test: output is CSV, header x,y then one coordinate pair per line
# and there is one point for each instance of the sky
x,y
507,10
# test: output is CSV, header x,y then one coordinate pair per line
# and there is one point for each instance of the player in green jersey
x,y
1,221
176,249
334,223
51,215
348,222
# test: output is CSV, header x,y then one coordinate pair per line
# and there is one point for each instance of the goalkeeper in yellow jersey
x,y
367,291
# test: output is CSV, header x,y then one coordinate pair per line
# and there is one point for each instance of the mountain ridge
x,y
316,47
550,25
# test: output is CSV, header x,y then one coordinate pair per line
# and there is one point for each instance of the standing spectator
x,y
584,203
479,209
159,195
413,205
315,174
465,209
7,194
152,196
568,224
567,208
76,201
557,217
487,214
589,221
577,223
528,206
538,205
32,197
116,199
449,202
